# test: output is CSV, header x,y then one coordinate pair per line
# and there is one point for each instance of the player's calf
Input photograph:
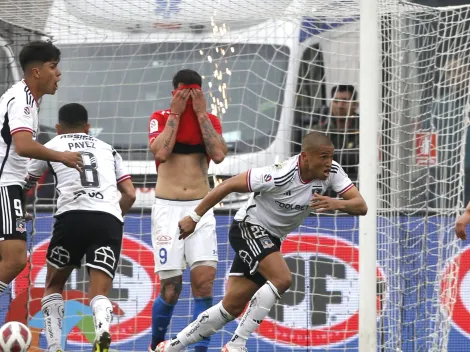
x,y
13,260
171,284
202,282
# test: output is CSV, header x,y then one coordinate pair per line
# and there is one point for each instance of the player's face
x,y
319,162
49,77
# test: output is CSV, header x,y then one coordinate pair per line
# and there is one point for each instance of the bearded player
x,y
183,140
283,196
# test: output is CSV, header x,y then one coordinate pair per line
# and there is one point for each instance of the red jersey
x,y
189,133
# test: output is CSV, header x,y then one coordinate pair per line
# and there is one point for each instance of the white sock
x,y
206,324
260,305
102,313
53,313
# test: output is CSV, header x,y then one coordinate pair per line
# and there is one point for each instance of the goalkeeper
x,y
282,198
183,140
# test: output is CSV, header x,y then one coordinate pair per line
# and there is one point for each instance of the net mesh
x,y
271,73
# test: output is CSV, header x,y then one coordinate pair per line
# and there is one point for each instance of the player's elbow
x,y
21,150
363,209
130,196
218,157
161,157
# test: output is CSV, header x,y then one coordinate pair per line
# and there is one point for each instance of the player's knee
x,y
283,282
202,278
170,289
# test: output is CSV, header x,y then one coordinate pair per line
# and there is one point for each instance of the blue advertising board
x,y
320,312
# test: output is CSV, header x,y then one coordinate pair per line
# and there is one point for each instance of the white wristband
x,y
194,216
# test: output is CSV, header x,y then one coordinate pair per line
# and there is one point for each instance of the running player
x,y
89,222
283,196
18,130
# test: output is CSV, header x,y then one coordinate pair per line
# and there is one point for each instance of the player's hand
x,y
72,160
323,203
461,224
178,103
28,216
186,226
199,101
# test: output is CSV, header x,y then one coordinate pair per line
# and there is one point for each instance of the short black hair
x,y
38,51
73,115
344,88
187,77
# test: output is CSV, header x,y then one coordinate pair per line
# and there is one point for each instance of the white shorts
x,y
172,253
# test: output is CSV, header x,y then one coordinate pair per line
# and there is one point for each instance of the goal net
x,y
272,71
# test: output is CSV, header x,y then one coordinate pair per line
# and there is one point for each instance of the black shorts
x,y
251,244
12,222
96,235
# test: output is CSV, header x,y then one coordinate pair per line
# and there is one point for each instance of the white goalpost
x,y
271,73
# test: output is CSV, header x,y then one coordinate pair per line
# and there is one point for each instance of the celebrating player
x,y
19,125
89,221
284,195
183,139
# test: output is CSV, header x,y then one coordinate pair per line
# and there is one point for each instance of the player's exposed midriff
x,y
183,177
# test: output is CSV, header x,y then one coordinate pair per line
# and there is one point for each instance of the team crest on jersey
x,y
153,126
21,225
27,110
267,243
267,177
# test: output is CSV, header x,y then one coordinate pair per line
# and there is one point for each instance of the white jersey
x,y
281,199
18,113
93,189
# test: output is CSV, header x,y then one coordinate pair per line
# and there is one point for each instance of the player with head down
x,y
183,140
283,196
88,222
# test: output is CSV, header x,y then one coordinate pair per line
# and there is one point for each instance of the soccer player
x,y
88,221
462,222
183,139
18,130
283,196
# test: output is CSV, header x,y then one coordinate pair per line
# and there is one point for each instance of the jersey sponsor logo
x,y
153,126
163,239
27,110
325,276
454,295
267,177
133,292
291,206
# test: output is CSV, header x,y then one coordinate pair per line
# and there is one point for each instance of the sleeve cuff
x,y
21,129
123,178
346,189
248,176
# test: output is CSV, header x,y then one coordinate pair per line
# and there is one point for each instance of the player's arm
x,y
351,203
462,222
213,140
237,183
127,195
162,145
124,184
36,169
25,146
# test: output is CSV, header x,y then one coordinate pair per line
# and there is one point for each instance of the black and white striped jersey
x,y
18,113
281,199
95,188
